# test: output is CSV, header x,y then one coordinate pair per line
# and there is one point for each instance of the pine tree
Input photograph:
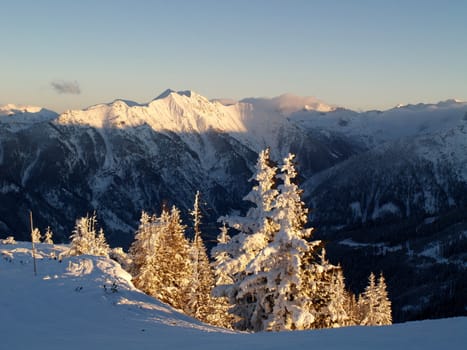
x,y
36,235
144,252
202,280
101,248
374,304
174,270
384,314
368,302
143,245
48,236
265,259
84,239
221,257
256,231
270,270
326,297
338,306
279,264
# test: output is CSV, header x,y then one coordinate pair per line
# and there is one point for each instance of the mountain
x,y
120,158
14,117
90,302
387,189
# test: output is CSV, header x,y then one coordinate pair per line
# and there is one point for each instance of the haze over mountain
x,y
387,188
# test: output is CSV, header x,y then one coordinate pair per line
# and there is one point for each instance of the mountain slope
x,y
387,189
121,158
66,305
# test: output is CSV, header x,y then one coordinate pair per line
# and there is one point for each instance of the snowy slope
x,y
376,127
66,307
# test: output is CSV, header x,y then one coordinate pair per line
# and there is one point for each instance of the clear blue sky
x,y
359,54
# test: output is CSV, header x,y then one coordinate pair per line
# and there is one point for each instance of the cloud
x,y
66,87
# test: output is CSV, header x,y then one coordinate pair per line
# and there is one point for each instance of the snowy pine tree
x,y
256,231
84,239
144,250
221,257
265,260
143,245
270,270
161,264
199,304
48,236
36,235
383,310
327,299
368,303
280,263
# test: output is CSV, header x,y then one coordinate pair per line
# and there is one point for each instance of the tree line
x,y
266,273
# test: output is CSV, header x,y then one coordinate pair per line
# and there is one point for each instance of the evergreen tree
x,y
278,266
374,304
368,303
266,258
270,270
223,316
84,239
384,314
326,297
48,236
36,235
144,252
173,269
143,245
101,247
256,229
202,281
222,256
339,315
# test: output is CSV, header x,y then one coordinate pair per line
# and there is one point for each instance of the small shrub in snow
x,y
85,239
9,240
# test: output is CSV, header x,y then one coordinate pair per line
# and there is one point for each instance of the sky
x,y
360,54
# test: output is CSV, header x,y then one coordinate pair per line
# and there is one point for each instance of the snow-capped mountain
x,y
14,117
90,302
374,180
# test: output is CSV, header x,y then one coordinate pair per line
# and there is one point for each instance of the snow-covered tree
x,y
221,257
174,263
48,236
161,258
144,243
256,230
36,235
383,310
375,307
101,247
323,283
84,239
201,303
271,270
277,269
265,260
202,279
146,250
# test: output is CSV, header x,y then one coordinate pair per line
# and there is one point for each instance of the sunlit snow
x,y
89,302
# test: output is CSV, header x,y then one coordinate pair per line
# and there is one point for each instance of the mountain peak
x,y
12,109
168,92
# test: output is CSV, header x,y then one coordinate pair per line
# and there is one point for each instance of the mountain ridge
x,y
380,179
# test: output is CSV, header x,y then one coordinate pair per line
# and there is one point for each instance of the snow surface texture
x,y
67,307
